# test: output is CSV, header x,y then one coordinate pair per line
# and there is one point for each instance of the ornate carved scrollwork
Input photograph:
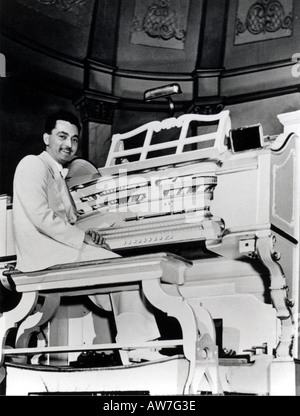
x,y
64,5
92,109
279,295
160,21
265,16
207,109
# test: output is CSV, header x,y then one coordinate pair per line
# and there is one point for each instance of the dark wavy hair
x,y
61,115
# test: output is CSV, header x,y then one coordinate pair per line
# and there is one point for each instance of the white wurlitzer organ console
x,y
206,220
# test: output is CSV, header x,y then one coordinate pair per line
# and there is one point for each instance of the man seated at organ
x,y
46,233
224,205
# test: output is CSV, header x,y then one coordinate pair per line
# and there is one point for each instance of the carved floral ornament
x,y
64,5
263,19
161,23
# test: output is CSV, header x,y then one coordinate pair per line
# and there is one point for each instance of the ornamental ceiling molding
x,y
263,20
75,13
64,5
160,23
96,109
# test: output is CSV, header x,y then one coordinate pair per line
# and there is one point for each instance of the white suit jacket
x,y
43,215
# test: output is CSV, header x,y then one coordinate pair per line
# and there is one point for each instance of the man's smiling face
x,y
62,143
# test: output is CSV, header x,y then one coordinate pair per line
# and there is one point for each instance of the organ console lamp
x,y
163,92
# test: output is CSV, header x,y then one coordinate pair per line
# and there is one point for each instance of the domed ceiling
x,y
120,48
102,55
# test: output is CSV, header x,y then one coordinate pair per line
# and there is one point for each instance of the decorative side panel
x,y
161,23
283,173
263,20
76,10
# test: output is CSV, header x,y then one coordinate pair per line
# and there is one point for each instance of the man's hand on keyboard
x,y
94,238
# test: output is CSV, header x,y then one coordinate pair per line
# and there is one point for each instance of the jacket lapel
x,y
63,190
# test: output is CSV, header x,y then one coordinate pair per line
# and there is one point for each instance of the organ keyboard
x,y
168,204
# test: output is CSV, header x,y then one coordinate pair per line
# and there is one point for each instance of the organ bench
x,y
146,272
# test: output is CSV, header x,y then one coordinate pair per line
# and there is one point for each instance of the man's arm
x,y
31,189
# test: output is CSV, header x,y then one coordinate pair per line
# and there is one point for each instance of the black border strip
x,y
283,234
8,258
284,143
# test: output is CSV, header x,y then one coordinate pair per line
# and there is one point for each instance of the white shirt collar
x,y
63,171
